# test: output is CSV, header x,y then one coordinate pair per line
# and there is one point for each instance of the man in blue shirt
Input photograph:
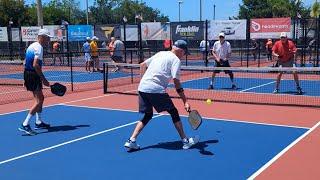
x,y
33,79
86,49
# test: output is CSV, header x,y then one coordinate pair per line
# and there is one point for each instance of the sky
x,y
190,9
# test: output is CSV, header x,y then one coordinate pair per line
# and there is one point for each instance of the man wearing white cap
x,y
86,49
157,72
221,52
33,79
285,51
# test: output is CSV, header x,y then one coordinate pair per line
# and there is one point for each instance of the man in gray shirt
x,y
118,50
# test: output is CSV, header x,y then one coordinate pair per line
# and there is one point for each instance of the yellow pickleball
x,y
209,101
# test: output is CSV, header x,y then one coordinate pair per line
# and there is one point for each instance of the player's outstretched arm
x,y
180,91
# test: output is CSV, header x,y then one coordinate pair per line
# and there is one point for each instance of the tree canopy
x,y
273,8
101,12
113,11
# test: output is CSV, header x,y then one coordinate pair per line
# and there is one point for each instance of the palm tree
x,y
315,10
39,13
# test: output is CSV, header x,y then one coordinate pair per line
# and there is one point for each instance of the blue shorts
x,y
160,101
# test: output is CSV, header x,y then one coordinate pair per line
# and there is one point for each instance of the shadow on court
x,y
60,129
177,145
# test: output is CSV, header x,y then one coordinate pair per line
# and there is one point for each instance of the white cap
x,y
94,38
88,38
44,32
283,34
221,34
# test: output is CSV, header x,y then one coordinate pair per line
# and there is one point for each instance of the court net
x,y
253,85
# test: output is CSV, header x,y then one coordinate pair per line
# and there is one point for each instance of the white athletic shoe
x,y
191,142
131,145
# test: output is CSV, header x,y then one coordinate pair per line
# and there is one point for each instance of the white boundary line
x,y
210,118
253,176
125,125
69,142
258,86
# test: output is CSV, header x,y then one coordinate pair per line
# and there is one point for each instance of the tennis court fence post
x,y
105,78
206,41
248,40
318,41
71,69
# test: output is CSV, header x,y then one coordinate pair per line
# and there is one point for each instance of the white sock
x,y
185,139
133,139
38,118
26,121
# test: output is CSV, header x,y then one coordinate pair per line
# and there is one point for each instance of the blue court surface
x,y
87,143
65,76
256,85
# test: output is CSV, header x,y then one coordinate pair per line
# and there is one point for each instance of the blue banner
x,y
79,32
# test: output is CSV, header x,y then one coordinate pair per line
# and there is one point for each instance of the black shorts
x,y
32,81
160,101
223,64
117,59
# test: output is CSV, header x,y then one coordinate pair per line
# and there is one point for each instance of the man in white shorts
x,y
87,56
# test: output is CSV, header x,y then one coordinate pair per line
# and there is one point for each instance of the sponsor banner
x,y
79,32
269,28
131,33
233,29
165,31
151,31
104,32
15,34
57,32
187,30
29,33
3,34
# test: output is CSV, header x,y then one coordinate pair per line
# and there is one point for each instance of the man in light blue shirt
x,y
86,49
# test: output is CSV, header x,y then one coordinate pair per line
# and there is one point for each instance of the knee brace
x,y
146,118
174,115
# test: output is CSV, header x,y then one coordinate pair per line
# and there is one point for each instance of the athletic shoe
x,y
299,91
27,129
190,142
276,91
210,87
234,87
42,125
131,145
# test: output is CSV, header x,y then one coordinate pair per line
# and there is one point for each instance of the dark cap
x,y
182,44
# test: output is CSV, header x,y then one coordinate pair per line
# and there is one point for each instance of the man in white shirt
x,y
157,72
221,52
33,80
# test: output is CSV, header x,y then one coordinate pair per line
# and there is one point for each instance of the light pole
x,y
65,26
87,12
180,2
200,10
214,12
